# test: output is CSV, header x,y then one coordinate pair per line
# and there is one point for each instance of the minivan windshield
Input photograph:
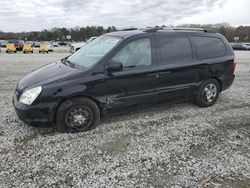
x,y
93,51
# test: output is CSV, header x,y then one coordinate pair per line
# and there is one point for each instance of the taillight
x,y
234,65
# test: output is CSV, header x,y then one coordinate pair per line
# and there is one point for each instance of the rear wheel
x,y
77,115
208,93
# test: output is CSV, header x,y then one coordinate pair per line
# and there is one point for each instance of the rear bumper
x,y
38,115
227,82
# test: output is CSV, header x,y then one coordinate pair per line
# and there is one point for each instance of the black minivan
x,y
126,68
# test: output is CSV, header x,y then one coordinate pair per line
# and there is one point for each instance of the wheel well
x,y
219,81
78,96
215,78
98,103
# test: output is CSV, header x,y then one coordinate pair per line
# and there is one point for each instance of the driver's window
x,y
135,54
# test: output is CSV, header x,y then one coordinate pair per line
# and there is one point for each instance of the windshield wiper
x,y
131,66
67,62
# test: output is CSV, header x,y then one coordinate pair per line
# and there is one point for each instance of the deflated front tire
x,y
77,115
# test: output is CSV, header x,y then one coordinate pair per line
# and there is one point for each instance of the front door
x,y
137,82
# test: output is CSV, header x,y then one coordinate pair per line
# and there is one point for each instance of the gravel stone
x,y
160,145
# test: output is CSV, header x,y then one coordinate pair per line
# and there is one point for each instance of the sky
x,y
36,15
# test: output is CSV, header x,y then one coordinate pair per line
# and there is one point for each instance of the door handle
x,y
153,75
164,73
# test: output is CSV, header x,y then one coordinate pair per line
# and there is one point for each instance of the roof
x,y
128,33
124,34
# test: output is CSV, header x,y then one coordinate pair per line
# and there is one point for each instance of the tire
x,y
208,93
71,109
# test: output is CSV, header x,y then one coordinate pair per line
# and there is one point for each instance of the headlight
x,y
30,95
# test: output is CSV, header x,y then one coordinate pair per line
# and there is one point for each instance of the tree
x,y
84,33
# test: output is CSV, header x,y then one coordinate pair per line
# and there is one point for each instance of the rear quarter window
x,y
209,47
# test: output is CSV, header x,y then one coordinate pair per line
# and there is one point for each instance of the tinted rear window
x,y
209,47
173,50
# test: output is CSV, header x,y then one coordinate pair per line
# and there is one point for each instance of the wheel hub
x,y
210,92
78,117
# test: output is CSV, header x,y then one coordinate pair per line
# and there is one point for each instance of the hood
x,y
46,74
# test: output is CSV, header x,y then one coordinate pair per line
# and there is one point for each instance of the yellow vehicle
x,y
10,47
43,48
27,48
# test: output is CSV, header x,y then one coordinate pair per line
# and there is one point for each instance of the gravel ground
x,y
164,145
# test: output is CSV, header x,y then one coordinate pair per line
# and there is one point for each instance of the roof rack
x,y
191,29
152,29
129,29
155,29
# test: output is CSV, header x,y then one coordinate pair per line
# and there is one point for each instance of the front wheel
x,y
208,93
77,115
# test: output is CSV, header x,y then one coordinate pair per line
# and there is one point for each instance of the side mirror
x,y
114,67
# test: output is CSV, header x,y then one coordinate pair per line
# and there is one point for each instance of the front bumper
x,y
37,115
